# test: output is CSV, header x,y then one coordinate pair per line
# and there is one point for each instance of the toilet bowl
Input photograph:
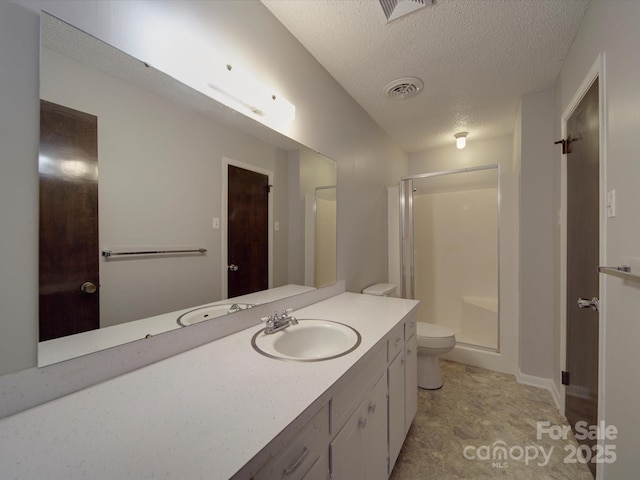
x,y
433,341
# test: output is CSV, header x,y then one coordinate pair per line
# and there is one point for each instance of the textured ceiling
x,y
476,58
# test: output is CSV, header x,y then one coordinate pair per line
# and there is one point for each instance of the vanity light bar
x,y
239,90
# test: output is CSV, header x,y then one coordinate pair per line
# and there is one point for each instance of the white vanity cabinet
x,y
368,442
403,385
411,381
396,374
359,450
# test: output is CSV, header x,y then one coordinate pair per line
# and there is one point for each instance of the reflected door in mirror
x,y
68,169
248,218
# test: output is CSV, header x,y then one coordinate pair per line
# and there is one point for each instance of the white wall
x,y
537,231
483,152
327,120
611,28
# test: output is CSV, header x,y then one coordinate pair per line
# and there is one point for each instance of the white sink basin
x,y
210,311
310,340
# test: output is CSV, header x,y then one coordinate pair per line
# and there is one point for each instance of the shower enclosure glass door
x,y
450,251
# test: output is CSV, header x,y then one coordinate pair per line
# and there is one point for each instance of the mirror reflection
x,y
154,199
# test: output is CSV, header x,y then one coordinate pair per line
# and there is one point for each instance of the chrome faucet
x,y
279,321
237,308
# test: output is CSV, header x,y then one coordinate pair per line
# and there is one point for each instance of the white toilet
x,y
433,341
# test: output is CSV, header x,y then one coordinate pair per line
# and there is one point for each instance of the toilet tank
x,y
381,290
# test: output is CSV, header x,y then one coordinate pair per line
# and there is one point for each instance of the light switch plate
x,y
611,204
216,223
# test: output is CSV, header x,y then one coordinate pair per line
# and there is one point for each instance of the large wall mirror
x,y
151,157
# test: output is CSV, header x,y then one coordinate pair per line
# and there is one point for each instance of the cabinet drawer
x,y
309,447
354,388
396,342
410,327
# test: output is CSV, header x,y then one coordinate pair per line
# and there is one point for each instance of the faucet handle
x,y
268,320
287,314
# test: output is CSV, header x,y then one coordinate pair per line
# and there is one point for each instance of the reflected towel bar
x,y
109,253
623,271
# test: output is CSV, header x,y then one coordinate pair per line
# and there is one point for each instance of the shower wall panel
x,y
456,253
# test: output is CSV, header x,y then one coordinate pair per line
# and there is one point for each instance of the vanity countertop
x,y
204,413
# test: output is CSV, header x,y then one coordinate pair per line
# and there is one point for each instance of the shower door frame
x,y
406,218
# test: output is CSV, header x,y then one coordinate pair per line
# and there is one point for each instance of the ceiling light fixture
x,y
461,139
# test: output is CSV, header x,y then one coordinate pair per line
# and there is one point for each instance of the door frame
x,y
223,223
597,71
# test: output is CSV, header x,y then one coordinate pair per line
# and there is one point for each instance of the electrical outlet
x,y
276,226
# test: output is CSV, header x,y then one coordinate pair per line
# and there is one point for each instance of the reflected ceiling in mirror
x,y
160,151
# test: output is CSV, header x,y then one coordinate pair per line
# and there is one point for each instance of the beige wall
x,y
327,120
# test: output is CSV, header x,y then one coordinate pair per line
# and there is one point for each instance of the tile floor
x,y
479,414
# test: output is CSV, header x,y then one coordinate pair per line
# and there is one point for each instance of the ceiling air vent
x,y
402,88
394,9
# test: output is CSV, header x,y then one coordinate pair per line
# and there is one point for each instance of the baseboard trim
x,y
540,382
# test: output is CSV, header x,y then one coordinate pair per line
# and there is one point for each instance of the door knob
x,y
88,287
233,267
592,304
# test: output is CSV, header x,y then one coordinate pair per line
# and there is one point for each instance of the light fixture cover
x,y
461,140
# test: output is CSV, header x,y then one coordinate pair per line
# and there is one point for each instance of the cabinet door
x,y
411,381
375,433
396,407
359,450
347,448
318,471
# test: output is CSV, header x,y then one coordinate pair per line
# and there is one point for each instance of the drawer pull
x,y
372,407
289,470
362,423
398,340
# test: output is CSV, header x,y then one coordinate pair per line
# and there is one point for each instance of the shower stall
x,y
450,253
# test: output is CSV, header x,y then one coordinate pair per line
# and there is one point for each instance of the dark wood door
x,y
69,258
583,178
247,242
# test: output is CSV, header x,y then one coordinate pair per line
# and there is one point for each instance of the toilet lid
x,y
431,330
435,336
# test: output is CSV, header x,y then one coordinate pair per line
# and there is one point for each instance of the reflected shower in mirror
x,y
326,212
154,149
